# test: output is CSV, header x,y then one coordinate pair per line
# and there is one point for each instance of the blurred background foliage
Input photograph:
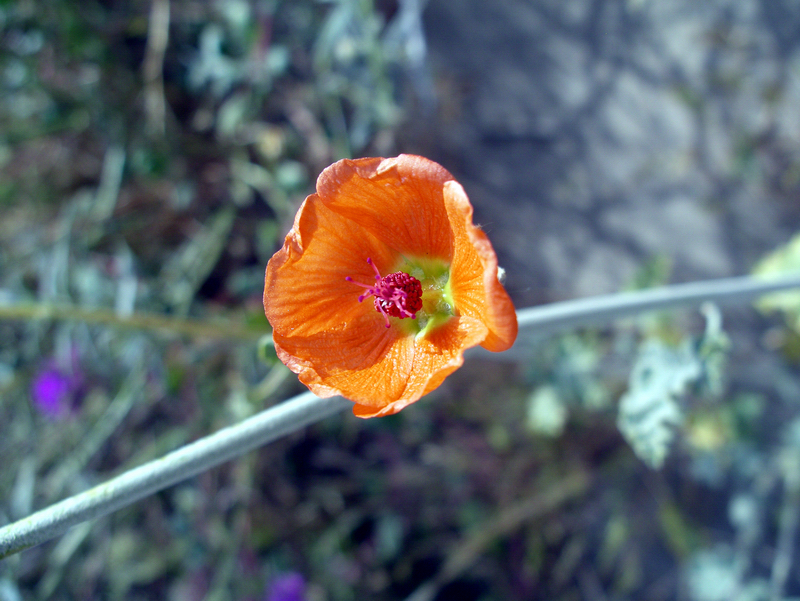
x,y
152,155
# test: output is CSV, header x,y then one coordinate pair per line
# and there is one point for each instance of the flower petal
x,y
397,200
382,370
473,274
305,289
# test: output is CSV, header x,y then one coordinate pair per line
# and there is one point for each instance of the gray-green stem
x,y
307,408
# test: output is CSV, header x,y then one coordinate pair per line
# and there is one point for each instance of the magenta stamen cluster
x,y
396,295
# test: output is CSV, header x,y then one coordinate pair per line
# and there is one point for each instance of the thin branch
x,y
153,67
788,525
137,321
546,319
306,409
175,467
555,317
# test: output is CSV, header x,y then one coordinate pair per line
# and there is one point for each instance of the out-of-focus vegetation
x,y
152,155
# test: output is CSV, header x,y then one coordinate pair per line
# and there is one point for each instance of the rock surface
x,y
594,135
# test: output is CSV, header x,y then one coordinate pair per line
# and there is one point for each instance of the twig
x,y
544,319
136,321
105,199
175,467
306,409
788,524
560,316
153,68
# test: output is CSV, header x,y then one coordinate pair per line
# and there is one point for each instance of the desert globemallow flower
x,y
383,282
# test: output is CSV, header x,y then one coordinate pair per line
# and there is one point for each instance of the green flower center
x,y
437,298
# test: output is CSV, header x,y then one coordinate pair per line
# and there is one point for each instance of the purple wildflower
x,y
53,392
287,587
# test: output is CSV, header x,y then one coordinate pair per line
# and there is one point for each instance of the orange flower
x,y
382,283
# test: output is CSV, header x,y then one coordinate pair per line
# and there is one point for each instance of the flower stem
x,y
136,321
307,408
175,467
555,317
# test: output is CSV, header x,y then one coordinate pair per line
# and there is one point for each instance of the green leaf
x,y
546,412
780,262
649,411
